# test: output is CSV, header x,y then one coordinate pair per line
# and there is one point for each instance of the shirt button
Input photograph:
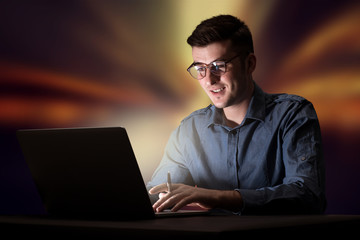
x,y
303,158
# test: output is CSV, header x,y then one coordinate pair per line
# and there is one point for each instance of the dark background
x,y
123,63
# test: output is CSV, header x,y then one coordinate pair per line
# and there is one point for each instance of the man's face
x,y
230,88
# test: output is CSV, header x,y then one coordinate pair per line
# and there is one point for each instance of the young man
x,y
250,152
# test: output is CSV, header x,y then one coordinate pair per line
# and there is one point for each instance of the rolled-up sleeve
x,y
303,187
273,158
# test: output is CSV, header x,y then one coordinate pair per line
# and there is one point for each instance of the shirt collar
x,y
255,111
257,105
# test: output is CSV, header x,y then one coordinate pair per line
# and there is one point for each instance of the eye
x,y
218,66
200,68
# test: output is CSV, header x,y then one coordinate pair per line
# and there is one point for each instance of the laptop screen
x,y
86,172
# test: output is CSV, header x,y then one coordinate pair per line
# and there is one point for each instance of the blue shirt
x,y
273,158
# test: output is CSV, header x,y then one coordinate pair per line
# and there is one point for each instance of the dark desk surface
x,y
211,227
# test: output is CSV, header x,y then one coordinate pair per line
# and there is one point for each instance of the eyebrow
x,y
217,59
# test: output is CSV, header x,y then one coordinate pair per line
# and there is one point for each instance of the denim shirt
x,y
273,158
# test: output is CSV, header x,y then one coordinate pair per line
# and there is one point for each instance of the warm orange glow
x,y
339,35
20,111
323,69
116,63
93,88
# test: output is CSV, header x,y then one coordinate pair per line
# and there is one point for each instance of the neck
x,y
235,114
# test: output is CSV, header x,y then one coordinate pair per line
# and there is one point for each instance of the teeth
x,y
217,90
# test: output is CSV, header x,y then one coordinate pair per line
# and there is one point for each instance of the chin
x,y
219,105
219,102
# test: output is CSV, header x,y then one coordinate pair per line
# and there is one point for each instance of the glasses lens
x,y
197,72
218,68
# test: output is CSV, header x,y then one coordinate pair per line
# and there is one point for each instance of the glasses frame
x,y
208,66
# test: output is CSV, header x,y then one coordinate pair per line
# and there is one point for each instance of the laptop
x,y
88,173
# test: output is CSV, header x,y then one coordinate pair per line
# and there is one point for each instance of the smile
x,y
217,90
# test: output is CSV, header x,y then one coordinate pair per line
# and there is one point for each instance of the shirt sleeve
x,y
303,187
173,161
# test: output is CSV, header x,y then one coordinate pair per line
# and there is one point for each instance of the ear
x,y
251,63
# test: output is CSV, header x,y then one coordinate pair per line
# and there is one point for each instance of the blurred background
x,y
85,63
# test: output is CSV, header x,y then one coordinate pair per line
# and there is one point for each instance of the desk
x,y
211,227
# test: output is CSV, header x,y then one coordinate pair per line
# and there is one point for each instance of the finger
x,y
158,188
162,205
159,201
171,200
157,205
161,195
182,203
162,198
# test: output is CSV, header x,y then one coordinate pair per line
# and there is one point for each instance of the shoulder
x,y
289,107
197,120
200,115
287,102
292,111
192,125
286,98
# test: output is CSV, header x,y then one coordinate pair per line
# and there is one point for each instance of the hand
x,y
182,195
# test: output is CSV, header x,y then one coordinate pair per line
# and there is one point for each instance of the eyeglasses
x,y
218,68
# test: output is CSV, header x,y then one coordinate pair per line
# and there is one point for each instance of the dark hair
x,y
222,27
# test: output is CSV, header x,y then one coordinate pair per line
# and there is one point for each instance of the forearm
x,y
227,199
291,198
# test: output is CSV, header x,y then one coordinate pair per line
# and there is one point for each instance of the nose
x,y
210,79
